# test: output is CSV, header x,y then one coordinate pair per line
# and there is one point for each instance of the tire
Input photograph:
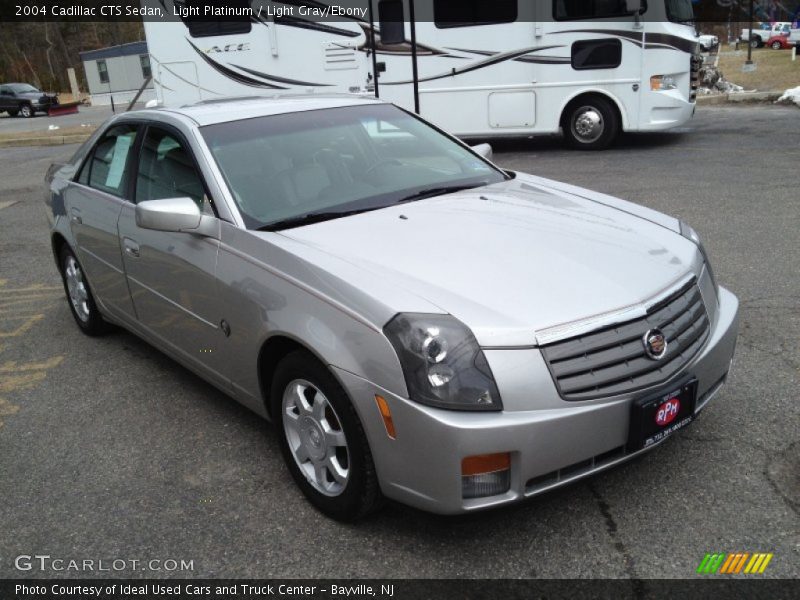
x,y
26,110
79,295
590,123
322,440
776,45
756,42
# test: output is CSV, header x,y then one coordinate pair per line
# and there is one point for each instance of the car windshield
x,y
680,11
22,88
293,169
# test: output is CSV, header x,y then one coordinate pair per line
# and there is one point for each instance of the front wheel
x,y
755,42
26,110
590,123
322,439
776,45
79,295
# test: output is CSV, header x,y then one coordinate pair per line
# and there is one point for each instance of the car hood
x,y
511,259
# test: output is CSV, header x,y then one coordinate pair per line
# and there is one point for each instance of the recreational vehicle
x,y
590,68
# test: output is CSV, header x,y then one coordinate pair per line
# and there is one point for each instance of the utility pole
x,y
750,40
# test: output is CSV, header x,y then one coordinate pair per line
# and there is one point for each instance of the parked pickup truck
x,y
24,99
766,31
708,42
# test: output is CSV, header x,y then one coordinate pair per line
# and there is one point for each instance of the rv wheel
x,y
590,123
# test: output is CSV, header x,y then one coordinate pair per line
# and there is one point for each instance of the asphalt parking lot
x,y
85,117
108,449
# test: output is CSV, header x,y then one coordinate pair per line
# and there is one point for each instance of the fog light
x,y
485,475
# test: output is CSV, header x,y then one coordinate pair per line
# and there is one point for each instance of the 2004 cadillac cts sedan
x,y
420,324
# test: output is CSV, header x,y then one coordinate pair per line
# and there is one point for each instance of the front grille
x,y
612,360
696,63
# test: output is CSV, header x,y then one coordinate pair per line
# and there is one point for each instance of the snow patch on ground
x,y
790,95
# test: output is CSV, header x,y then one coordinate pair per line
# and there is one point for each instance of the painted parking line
x,y
21,309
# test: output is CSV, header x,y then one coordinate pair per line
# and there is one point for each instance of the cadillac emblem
x,y
655,344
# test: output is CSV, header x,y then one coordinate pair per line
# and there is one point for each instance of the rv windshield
x,y
680,11
299,168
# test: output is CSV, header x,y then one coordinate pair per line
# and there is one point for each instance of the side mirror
x,y
634,6
171,214
390,18
485,150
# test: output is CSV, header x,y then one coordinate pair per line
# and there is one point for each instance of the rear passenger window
x,y
105,170
167,170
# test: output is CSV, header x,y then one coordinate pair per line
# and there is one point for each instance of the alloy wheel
x,y
76,286
315,436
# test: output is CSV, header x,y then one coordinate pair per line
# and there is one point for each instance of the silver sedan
x,y
419,324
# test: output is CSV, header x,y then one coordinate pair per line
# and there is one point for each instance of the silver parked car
x,y
420,324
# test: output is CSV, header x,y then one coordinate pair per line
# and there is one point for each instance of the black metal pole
x,y
375,73
414,54
751,36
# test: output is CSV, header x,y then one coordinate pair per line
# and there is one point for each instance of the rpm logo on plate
x,y
667,412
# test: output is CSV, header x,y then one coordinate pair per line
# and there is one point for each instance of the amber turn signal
x,y
485,463
383,406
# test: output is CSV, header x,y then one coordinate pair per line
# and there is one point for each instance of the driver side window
x,y
167,170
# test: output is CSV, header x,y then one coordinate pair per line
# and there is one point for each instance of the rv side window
x,y
570,10
468,13
204,26
597,54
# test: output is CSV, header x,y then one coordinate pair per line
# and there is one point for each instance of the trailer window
x,y
144,61
596,54
572,10
102,71
202,25
468,13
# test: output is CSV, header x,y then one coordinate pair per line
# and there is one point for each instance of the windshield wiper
x,y
310,218
438,191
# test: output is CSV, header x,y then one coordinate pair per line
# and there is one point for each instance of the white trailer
x,y
475,68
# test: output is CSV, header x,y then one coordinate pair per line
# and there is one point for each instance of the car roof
x,y
210,112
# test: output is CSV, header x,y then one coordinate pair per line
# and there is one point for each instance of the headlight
x,y
691,234
661,83
442,362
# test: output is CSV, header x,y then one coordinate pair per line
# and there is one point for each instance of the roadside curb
x,y
50,140
739,98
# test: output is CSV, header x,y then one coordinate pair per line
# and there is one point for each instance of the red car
x,y
780,42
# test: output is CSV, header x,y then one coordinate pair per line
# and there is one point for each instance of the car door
x,y
93,203
172,275
6,98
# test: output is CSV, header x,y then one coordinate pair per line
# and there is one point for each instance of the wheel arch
x,y
594,93
58,241
273,350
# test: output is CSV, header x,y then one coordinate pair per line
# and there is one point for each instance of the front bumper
x,y
554,444
665,110
45,102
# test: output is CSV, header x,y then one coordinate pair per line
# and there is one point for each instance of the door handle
x,y
131,247
76,216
